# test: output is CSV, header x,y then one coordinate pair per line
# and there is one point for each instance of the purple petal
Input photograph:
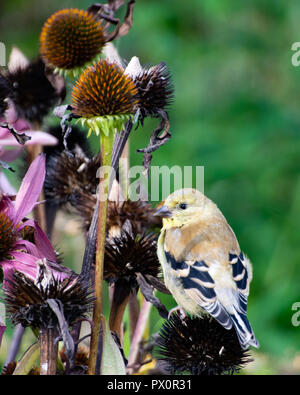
x,y
38,137
22,262
2,330
6,206
29,247
11,114
5,185
43,244
4,132
8,140
30,188
10,155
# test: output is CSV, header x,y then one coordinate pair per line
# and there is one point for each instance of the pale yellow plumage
x,y
202,263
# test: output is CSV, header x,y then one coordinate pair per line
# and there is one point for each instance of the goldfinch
x,y
203,266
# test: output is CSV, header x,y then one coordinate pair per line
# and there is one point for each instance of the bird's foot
x,y
178,309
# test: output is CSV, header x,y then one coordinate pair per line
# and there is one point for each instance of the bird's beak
x,y
163,211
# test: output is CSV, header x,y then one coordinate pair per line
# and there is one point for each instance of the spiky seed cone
x,y
139,213
103,89
70,38
26,303
67,178
4,93
8,235
155,90
129,254
32,93
200,346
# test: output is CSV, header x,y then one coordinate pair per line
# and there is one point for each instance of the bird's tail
x,y
244,331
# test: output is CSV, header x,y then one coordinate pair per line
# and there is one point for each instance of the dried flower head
x,y
139,213
68,179
128,255
199,346
104,93
32,92
4,93
26,300
70,38
155,90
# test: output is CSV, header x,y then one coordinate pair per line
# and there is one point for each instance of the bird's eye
x,y
183,206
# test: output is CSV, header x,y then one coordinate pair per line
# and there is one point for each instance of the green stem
x,y
106,145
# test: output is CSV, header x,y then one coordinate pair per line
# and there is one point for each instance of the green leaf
x,y
28,360
112,360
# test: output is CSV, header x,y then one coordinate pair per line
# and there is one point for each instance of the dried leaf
x,y
156,141
147,290
58,309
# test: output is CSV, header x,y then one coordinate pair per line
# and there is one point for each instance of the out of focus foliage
x,y
236,112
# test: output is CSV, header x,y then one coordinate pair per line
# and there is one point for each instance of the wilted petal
x,y
30,188
134,67
111,53
17,60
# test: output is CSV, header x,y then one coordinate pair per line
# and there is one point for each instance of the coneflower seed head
x,y
102,90
70,38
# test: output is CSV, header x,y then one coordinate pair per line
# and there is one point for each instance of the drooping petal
x,y
22,262
5,185
30,188
43,244
37,137
27,264
29,247
42,248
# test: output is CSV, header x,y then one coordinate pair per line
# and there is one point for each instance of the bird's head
x,y
183,206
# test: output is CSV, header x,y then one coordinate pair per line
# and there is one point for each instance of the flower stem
x,y
15,344
133,360
49,351
106,144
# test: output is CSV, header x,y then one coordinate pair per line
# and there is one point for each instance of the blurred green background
x,y
236,112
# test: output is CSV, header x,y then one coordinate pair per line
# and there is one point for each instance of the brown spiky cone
x,y
70,38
